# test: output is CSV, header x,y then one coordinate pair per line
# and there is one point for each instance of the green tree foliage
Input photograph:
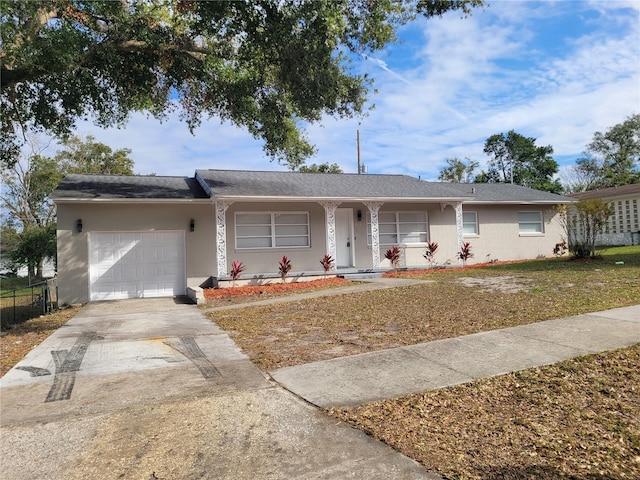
x,y
321,168
613,157
9,241
90,157
28,185
266,65
515,158
36,244
458,171
582,223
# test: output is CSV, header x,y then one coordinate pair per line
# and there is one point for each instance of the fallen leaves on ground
x,y
579,419
276,336
17,342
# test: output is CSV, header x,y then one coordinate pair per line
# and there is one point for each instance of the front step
x,y
360,275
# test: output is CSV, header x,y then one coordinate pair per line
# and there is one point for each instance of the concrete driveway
x,y
150,389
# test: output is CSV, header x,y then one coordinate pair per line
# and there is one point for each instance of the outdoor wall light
x,y
79,225
192,225
359,215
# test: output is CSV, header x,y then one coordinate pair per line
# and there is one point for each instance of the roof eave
x,y
519,202
253,198
130,200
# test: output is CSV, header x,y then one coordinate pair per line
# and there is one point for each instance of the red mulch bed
x,y
249,290
426,271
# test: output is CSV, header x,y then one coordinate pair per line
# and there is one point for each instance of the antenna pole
x,y
358,143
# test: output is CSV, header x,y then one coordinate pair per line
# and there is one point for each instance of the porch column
x,y
459,229
330,227
221,236
375,231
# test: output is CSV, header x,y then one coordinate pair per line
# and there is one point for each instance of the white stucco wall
x,y
265,260
73,248
498,237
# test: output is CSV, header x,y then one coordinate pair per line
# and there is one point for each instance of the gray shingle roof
x,y
128,187
240,183
506,192
296,185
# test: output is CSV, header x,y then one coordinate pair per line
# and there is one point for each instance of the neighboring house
x,y
623,227
143,236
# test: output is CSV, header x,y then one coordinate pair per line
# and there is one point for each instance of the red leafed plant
x,y
237,267
430,253
326,262
393,255
284,267
465,252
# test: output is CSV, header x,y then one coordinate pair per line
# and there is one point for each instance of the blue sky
x,y
557,71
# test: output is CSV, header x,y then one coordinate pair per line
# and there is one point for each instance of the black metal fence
x,y
22,303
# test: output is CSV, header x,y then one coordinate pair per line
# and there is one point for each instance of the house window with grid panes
x,y
469,224
530,223
257,230
397,228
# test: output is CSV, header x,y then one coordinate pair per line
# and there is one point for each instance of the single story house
x,y
623,227
144,236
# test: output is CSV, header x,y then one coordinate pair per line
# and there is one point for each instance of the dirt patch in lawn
x,y
579,419
499,283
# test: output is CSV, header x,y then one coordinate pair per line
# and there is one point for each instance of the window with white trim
x,y
530,222
470,223
399,228
272,230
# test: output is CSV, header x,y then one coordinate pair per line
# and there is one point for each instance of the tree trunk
x,y
39,269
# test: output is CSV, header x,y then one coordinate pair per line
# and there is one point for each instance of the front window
x,y
272,230
530,222
399,228
469,223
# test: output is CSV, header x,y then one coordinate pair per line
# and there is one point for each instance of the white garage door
x,y
136,265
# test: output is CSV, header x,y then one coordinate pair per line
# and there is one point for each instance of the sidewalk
x,y
428,366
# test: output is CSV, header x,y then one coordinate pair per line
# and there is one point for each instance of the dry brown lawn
x,y
579,419
455,303
17,342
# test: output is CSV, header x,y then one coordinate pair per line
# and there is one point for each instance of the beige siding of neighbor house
x,y
73,247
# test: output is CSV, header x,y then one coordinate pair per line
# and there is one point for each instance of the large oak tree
x,y
266,65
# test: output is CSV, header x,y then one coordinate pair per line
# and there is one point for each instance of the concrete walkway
x,y
401,371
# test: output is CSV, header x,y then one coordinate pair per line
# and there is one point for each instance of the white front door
x,y
344,237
